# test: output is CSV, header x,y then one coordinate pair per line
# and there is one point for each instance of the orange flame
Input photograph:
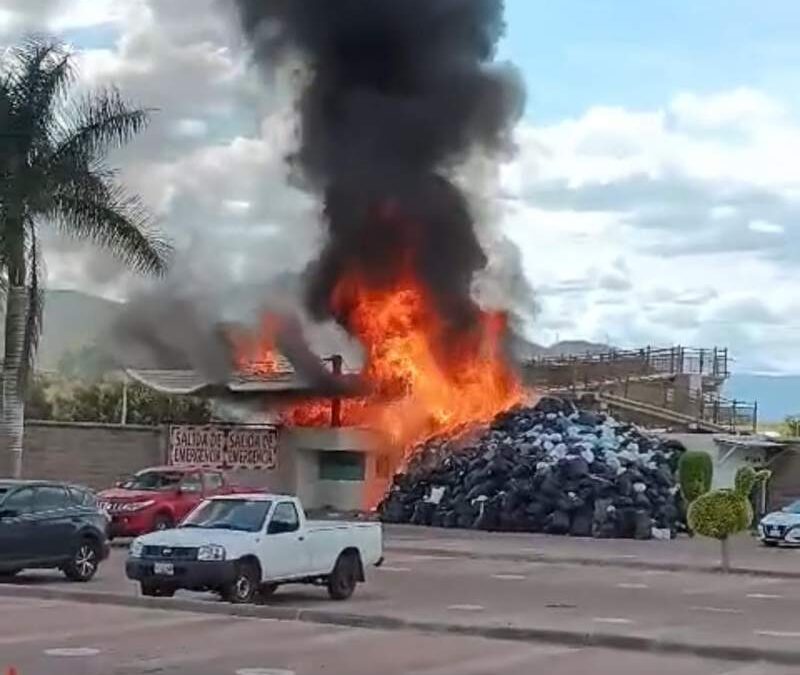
x,y
437,382
426,379
256,355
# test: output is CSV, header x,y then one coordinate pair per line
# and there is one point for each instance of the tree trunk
x,y
726,557
13,399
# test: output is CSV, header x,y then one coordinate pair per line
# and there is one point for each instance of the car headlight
x,y
136,549
212,552
136,506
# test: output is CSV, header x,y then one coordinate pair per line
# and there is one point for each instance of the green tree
x,y
102,402
792,425
38,404
719,514
53,150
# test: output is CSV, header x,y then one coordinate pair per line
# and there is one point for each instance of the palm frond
x,y
113,219
39,75
100,121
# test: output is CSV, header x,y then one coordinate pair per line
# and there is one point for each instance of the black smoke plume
x,y
396,94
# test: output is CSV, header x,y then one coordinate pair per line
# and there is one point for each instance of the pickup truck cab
x,y
245,544
158,498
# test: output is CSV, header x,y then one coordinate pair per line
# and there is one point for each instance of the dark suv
x,y
45,524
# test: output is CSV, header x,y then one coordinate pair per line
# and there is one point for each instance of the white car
x,y
781,527
248,544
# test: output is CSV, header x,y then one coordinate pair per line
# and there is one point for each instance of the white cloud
x,y
700,200
765,227
192,128
743,108
236,207
87,13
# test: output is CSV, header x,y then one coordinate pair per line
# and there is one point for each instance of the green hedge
x,y
695,473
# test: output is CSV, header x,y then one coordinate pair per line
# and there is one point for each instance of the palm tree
x,y
53,171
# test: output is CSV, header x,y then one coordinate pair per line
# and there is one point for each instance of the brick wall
x,y
91,454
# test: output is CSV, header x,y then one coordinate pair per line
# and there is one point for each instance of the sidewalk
x,y
698,554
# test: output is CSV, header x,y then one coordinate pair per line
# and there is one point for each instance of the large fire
x,y
427,380
424,380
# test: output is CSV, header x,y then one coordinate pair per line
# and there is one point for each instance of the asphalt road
x,y
42,638
691,607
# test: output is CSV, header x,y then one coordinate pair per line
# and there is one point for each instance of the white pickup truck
x,y
243,545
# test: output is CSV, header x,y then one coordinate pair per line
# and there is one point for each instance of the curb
x,y
591,562
635,643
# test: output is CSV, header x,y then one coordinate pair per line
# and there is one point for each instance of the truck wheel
x,y
152,590
84,562
162,522
343,579
267,590
244,588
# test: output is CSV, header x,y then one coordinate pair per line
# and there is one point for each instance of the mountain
x,y
778,395
72,320
524,350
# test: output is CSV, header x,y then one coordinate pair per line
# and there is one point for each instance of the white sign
x,y
223,447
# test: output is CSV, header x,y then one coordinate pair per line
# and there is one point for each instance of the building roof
x,y
749,441
284,379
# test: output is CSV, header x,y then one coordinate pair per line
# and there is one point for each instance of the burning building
x,y
393,98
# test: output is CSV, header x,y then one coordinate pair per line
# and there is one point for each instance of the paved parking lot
x,y
687,607
42,638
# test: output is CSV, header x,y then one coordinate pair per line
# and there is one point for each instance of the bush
x,y
695,473
725,512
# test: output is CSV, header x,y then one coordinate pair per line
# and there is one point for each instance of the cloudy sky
x,y
653,196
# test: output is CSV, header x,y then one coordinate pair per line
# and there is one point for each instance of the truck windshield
x,y
154,480
229,514
794,507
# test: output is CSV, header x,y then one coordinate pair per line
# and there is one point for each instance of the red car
x,y
158,498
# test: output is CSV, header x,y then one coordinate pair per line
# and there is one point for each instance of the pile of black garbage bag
x,y
551,468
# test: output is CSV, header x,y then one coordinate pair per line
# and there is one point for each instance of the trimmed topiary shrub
x,y
722,513
695,473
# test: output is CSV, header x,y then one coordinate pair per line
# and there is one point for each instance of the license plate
x,y
167,569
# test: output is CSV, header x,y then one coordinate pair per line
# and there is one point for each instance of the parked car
x,y
158,498
51,525
246,544
781,527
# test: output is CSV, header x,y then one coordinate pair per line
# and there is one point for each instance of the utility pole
x,y
124,415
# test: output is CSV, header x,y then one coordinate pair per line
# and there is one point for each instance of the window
x,y
342,466
82,497
154,480
50,498
284,519
191,483
20,501
229,514
213,481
